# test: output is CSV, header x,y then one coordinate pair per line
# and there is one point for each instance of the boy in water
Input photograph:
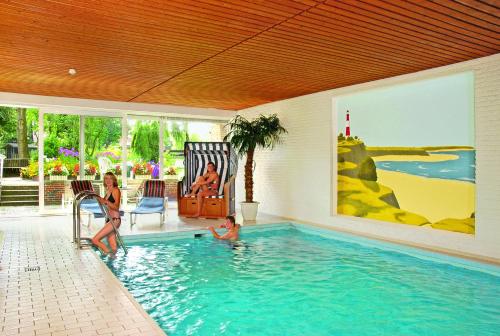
x,y
232,229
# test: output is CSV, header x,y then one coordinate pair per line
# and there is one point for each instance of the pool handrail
x,y
86,194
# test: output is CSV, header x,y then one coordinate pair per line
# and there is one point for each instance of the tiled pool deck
x,y
73,293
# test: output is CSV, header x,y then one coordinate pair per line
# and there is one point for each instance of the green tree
x,y
8,126
145,143
22,133
62,131
32,120
178,134
101,133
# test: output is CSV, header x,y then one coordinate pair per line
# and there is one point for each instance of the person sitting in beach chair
x,y
204,186
208,187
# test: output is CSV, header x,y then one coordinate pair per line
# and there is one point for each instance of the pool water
x,y
287,281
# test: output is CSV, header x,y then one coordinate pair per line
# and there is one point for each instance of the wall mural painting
x,y
406,154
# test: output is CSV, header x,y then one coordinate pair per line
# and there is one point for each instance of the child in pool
x,y
232,229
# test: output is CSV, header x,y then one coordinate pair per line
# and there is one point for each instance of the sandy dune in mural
x,y
453,199
450,198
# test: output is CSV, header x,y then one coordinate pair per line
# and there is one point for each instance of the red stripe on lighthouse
x,y
347,125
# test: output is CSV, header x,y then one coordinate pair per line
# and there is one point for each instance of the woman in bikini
x,y
112,201
209,185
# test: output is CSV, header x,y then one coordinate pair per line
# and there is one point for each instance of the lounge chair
x,y
153,200
197,157
90,205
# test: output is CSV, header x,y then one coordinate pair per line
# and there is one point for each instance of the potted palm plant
x,y
245,136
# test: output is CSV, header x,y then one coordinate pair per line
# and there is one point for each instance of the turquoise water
x,y
288,282
462,169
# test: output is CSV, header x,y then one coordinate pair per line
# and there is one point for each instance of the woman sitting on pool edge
x,y
209,185
232,229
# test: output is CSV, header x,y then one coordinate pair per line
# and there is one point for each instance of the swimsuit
x,y
112,200
214,186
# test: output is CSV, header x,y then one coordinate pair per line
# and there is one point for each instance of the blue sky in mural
x,y
435,112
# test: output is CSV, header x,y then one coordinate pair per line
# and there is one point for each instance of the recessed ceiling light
x,y
72,71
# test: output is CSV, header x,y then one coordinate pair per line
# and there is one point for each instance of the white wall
x,y
296,179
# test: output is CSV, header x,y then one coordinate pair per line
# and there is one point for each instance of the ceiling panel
x,y
231,54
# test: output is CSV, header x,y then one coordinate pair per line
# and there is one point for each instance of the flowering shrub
x,y
90,169
76,169
171,171
68,152
155,173
108,154
30,171
68,158
142,169
58,169
117,170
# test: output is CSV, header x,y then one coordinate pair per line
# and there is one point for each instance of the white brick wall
x,y
295,180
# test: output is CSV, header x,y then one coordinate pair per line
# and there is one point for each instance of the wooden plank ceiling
x,y
231,54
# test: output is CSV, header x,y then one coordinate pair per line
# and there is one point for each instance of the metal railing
x,y
77,227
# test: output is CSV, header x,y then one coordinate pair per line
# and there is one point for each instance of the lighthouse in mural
x,y
347,125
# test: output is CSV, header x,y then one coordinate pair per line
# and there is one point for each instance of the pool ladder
x,y
77,228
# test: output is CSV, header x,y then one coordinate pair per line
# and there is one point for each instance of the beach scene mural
x,y
406,154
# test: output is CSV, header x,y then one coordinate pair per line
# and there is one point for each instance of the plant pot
x,y
171,177
249,210
58,177
142,177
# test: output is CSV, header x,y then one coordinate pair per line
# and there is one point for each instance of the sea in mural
x,y
406,154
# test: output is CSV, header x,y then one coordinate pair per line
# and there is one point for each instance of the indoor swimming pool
x,y
290,279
